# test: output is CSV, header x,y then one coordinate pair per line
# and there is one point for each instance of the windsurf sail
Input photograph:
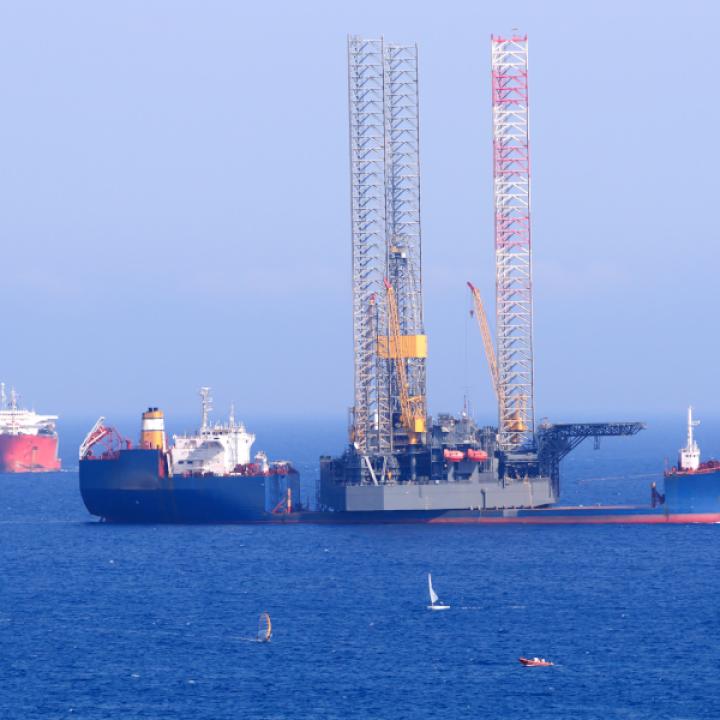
x,y
264,632
433,594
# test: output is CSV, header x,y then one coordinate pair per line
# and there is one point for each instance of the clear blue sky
x,y
174,183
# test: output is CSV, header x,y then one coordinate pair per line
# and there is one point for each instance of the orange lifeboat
x,y
477,455
535,662
453,455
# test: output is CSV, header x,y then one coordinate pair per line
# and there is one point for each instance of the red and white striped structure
x,y
511,165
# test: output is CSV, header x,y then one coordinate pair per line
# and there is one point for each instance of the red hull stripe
x,y
683,518
639,519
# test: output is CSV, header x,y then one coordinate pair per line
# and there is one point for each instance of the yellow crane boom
x,y
486,338
515,407
411,408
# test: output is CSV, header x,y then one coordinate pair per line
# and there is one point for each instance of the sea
x,y
118,621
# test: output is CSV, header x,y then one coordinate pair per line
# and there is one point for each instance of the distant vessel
x,y
205,477
535,662
692,487
435,602
28,441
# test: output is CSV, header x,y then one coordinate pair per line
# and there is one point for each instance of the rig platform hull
x,y
610,515
479,491
134,487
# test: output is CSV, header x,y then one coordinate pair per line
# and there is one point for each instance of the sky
x,y
175,203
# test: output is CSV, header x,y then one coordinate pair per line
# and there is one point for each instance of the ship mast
x,y
690,441
13,411
206,408
690,454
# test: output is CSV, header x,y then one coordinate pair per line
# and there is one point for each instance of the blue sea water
x,y
102,621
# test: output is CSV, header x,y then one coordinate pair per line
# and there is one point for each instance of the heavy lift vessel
x,y
400,465
398,460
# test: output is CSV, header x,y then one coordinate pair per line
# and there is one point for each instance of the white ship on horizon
x,y
15,420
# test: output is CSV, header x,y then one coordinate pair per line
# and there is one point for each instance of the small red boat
x,y
535,662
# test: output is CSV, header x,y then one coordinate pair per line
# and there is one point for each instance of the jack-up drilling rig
x,y
398,460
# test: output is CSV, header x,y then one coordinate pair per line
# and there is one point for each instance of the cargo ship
x,y
28,441
207,476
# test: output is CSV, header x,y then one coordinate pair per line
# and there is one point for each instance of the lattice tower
x,y
511,162
371,422
385,207
402,216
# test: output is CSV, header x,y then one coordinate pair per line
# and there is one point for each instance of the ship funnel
x,y
152,434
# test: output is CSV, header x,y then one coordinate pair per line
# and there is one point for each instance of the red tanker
x,y
28,453
28,441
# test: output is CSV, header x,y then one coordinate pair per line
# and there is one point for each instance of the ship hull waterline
x,y
135,487
163,508
397,518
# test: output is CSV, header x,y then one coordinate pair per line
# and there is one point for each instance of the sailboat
x,y
435,602
264,632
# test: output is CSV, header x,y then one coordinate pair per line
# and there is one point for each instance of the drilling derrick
x,y
511,166
385,208
371,424
399,465
403,241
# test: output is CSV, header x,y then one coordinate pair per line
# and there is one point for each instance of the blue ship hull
x,y
134,486
693,492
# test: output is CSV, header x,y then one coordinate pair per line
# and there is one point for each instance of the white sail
x,y
433,594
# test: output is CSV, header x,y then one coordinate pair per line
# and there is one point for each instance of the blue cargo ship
x,y
134,485
208,478
203,477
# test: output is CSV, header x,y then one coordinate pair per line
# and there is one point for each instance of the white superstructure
x,y
16,421
690,454
217,448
